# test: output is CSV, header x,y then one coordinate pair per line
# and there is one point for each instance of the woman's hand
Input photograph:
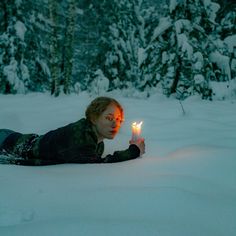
x,y
140,143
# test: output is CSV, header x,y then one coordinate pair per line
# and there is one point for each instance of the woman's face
x,y
108,123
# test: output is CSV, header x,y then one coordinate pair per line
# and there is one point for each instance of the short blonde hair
x,y
99,105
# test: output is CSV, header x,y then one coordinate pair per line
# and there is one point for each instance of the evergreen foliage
x,y
180,43
69,46
14,73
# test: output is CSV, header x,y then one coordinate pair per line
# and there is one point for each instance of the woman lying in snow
x,y
79,142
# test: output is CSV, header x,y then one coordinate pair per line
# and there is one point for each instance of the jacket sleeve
x,y
131,153
88,155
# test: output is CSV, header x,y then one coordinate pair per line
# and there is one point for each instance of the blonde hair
x,y
99,105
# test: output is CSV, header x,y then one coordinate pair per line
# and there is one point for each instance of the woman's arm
x,y
90,154
131,153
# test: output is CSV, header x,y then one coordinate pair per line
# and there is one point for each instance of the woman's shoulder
x,y
83,132
82,125
69,132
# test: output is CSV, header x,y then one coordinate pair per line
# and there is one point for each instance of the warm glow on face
x,y
136,130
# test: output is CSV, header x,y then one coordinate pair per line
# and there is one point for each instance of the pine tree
x,y
38,45
24,46
54,48
14,73
180,42
126,40
68,46
88,39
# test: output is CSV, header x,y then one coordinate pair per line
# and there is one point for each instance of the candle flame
x,y
137,125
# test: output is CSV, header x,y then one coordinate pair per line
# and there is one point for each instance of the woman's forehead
x,y
113,110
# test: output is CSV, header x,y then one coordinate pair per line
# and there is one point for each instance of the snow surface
x,y
184,185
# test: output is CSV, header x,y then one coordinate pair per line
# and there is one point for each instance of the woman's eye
x,y
119,120
109,118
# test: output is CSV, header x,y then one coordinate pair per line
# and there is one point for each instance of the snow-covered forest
x,y
176,47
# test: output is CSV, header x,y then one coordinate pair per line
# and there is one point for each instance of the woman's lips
x,y
113,132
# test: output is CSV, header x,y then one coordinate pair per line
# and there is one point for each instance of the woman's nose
x,y
115,123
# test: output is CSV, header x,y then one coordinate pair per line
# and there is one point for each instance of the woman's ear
x,y
93,120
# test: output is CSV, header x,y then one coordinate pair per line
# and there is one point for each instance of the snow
x,y
142,56
184,45
163,25
233,66
18,3
10,71
44,66
164,57
172,5
231,42
223,90
24,71
100,82
198,79
183,185
211,8
198,61
114,30
79,11
182,24
222,62
20,29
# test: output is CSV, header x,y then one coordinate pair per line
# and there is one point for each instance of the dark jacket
x,y
73,143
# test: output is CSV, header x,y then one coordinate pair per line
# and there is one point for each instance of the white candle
x,y
136,130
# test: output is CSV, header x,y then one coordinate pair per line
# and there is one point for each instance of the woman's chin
x,y
111,136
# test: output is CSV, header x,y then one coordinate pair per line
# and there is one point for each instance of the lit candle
x,y
136,130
